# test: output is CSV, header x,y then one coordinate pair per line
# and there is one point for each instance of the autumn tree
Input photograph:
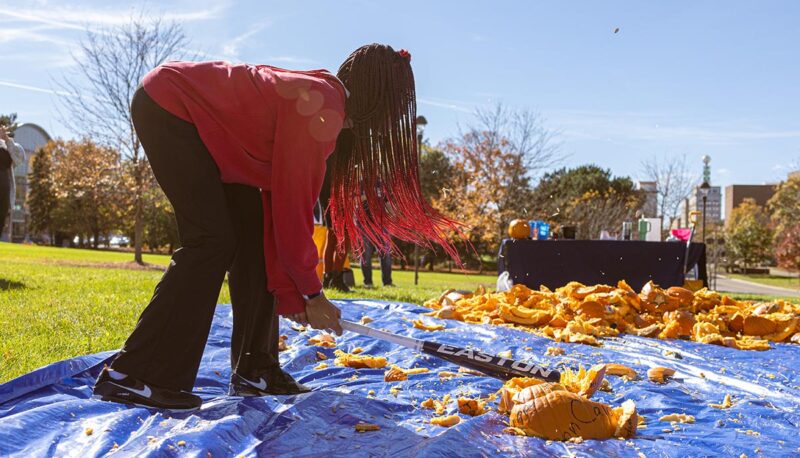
x,y
41,193
785,204
109,68
87,186
674,183
748,236
787,248
785,208
492,165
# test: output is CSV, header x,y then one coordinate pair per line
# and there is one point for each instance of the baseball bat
x,y
491,365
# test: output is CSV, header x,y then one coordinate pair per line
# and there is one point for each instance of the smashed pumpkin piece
x,y
511,388
448,374
359,361
321,356
397,373
678,418
583,382
323,340
471,407
620,370
554,351
660,374
447,421
364,427
577,313
726,403
419,324
437,406
551,412
282,343
321,366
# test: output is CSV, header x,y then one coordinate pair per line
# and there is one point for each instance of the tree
x,y
41,193
435,172
522,133
599,210
9,121
160,226
748,236
787,249
110,65
785,204
588,197
674,183
87,185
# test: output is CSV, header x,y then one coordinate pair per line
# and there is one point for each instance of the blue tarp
x,y
47,412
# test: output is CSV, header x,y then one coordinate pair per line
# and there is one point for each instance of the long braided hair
x,y
375,190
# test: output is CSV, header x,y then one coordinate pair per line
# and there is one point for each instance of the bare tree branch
x,y
674,183
524,131
110,65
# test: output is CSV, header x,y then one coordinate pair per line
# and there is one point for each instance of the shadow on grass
x,y
7,285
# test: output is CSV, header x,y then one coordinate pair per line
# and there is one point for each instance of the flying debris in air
x,y
616,30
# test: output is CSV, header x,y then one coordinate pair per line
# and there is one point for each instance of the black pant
x,y
6,176
221,229
366,264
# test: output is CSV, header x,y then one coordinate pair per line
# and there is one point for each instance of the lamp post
x,y
421,123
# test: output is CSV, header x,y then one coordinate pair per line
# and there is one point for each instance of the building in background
x,y
736,193
713,205
31,137
650,190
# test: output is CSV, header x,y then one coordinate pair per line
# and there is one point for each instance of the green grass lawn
x,y
57,303
770,280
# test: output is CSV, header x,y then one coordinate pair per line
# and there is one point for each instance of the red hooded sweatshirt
x,y
268,128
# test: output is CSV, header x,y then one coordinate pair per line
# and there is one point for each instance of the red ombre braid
x,y
378,159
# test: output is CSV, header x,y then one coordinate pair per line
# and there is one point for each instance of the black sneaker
x,y
131,391
269,383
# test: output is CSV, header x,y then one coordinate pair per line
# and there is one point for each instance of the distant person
x,y
11,155
385,257
384,254
240,151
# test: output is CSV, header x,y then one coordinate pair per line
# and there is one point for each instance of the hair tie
x,y
404,53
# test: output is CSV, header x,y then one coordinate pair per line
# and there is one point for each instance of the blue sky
x,y
680,77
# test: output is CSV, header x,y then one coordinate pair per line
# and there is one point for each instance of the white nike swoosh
x,y
261,385
146,392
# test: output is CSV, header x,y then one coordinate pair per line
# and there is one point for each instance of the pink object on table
x,y
682,234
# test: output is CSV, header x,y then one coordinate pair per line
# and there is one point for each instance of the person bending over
x,y
240,151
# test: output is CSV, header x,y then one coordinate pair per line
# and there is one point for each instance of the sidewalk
x,y
733,285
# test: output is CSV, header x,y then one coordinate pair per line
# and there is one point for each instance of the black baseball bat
x,y
491,365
